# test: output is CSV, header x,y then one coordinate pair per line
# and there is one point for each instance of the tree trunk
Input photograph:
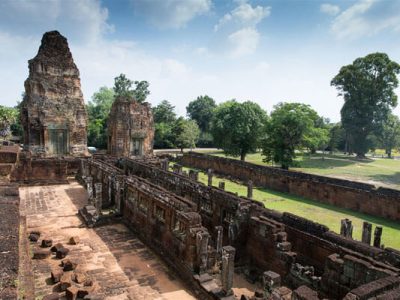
x,y
242,156
389,153
361,155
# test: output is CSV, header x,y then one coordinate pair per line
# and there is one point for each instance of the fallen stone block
x,y
65,282
304,293
46,243
62,253
34,236
40,254
56,247
79,277
53,296
74,240
71,293
56,275
88,282
68,265
82,293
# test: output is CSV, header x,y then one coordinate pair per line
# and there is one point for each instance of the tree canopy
x,y
389,136
123,87
8,116
201,110
367,86
186,133
164,118
291,126
98,110
237,128
164,112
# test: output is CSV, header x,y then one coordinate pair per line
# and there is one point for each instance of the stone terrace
x,y
119,264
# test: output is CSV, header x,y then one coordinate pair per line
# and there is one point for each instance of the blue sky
x,y
267,51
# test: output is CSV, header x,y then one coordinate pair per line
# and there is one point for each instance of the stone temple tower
x,y
130,128
53,112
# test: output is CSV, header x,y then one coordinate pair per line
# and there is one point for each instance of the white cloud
x,y
85,21
367,18
244,14
330,9
171,13
238,29
244,42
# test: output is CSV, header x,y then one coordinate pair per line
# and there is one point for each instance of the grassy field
x,y
322,213
377,171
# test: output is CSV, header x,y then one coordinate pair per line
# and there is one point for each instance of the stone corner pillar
x,y
366,233
271,281
221,185
250,189
202,238
377,236
346,228
228,268
210,176
98,202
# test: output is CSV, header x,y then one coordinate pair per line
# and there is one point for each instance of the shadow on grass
x,y
318,161
393,179
365,217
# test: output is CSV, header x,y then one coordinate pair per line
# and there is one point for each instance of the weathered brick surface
x,y
53,113
130,128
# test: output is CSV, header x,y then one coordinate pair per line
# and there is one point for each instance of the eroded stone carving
x,y
53,111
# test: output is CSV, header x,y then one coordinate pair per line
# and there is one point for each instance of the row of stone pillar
x,y
346,230
221,184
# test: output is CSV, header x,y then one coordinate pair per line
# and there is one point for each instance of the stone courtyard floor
x,y
119,264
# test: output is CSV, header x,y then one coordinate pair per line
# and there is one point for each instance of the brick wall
x,y
360,197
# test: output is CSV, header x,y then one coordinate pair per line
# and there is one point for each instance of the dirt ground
x,y
121,266
9,235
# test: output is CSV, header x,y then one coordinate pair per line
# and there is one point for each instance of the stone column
x,y
271,281
89,188
192,174
250,189
83,170
210,176
202,238
346,228
228,268
117,195
98,199
165,164
366,233
221,185
219,231
377,236
110,184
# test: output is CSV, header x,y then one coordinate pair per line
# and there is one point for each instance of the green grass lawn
x,y
377,171
321,213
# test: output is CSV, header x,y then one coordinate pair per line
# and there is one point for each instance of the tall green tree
x,y
389,136
8,116
367,86
291,127
141,91
98,110
202,110
164,112
237,128
336,137
186,133
123,87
